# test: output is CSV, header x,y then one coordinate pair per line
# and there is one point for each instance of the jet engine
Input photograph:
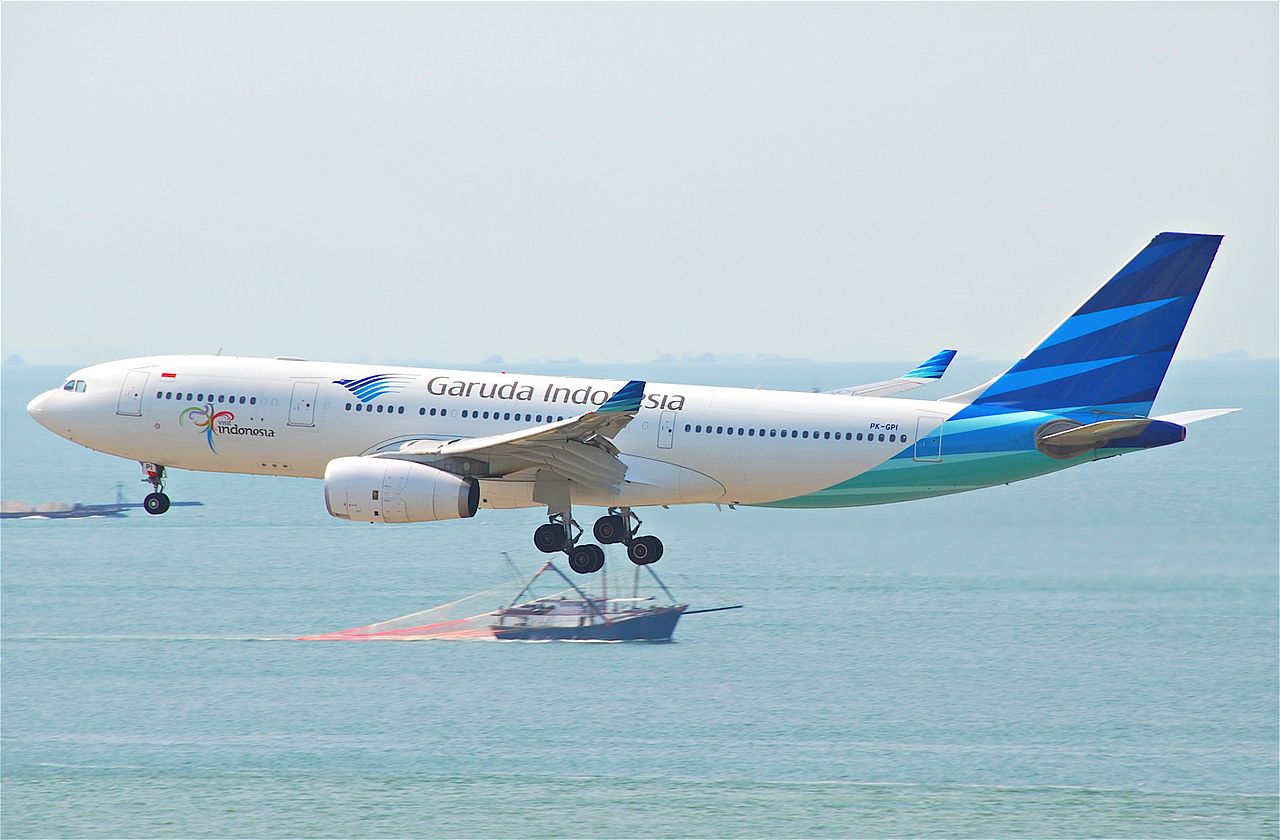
x,y
391,490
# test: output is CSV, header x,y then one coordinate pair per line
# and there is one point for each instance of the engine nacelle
x,y
390,490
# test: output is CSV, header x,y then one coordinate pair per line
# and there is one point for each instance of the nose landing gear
x,y
155,502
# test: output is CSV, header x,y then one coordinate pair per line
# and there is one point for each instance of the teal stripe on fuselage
x,y
977,451
900,481
903,481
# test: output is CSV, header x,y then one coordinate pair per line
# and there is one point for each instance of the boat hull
x,y
655,625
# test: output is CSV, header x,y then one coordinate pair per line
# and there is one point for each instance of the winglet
x,y
933,367
627,398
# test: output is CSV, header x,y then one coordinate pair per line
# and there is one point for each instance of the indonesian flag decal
x,y
168,376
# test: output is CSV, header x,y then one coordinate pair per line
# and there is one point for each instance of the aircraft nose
x,y
38,408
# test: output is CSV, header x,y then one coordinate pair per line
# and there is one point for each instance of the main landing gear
x,y
620,525
156,502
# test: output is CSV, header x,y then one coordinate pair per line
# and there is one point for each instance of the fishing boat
x,y
574,615
568,612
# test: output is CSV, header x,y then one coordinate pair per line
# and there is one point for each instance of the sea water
x,y
1088,653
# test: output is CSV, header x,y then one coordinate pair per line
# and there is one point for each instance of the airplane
x,y
405,444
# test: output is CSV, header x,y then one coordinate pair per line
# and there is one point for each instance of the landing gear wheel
x,y
586,559
610,529
155,503
645,550
550,538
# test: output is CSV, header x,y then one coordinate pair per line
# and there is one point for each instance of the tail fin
x,y
1113,352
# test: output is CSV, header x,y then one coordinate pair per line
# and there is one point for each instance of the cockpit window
x,y
79,386
70,386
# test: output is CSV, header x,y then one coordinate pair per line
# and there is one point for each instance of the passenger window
x,y
486,415
507,416
348,406
882,437
168,395
773,433
253,400
400,410
443,412
464,412
687,427
751,432
719,430
859,435
159,395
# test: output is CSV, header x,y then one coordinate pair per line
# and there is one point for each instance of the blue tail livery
x,y
1112,353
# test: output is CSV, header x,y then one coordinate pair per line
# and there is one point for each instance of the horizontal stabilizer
x,y
1184,418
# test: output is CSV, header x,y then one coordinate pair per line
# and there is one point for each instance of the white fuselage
x,y
688,443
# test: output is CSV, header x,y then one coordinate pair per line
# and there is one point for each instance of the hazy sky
x,y
845,182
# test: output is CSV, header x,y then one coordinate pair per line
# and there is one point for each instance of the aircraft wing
x,y
927,371
577,448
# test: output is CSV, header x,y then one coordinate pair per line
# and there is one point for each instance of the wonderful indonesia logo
x,y
217,422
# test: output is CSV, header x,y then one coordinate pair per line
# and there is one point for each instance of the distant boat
x,y
73,510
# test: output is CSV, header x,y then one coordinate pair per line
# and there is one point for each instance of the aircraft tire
x,y
610,529
645,550
586,558
155,503
549,538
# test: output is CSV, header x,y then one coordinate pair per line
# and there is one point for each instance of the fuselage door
x,y
666,429
929,437
135,384
302,407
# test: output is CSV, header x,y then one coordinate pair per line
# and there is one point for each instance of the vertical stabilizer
x,y
1112,353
